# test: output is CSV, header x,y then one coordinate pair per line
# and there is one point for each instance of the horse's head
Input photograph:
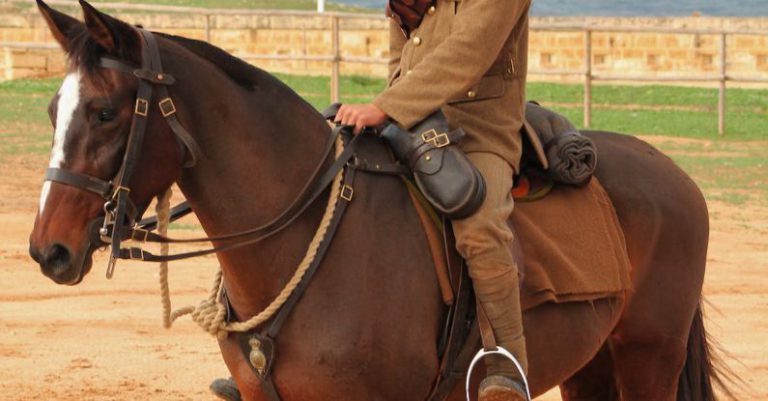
x,y
92,116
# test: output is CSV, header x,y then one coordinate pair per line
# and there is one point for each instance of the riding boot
x,y
226,389
499,296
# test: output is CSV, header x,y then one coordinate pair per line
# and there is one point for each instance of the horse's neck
x,y
259,148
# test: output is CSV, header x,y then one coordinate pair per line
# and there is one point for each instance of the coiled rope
x,y
211,314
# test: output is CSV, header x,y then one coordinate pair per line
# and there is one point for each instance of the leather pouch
x,y
443,173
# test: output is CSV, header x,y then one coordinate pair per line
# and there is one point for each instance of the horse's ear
x,y
62,26
115,36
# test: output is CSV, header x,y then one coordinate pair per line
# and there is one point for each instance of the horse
x,y
366,327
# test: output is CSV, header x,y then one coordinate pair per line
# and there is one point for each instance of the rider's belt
x,y
440,169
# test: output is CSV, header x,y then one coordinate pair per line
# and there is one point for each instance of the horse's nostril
x,y
56,255
34,253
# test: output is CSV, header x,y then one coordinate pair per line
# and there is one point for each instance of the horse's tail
x,y
703,370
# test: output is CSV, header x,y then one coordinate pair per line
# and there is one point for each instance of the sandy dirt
x,y
103,340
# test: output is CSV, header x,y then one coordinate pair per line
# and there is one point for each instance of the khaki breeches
x,y
484,240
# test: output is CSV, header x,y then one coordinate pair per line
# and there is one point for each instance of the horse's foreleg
x,y
594,382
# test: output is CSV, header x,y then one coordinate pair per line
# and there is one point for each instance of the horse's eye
x,y
107,115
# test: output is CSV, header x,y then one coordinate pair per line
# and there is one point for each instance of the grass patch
x,y
731,169
661,110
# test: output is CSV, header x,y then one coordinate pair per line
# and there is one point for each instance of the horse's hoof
x,y
500,388
226,389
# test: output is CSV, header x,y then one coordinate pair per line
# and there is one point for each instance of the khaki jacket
x,y
468,57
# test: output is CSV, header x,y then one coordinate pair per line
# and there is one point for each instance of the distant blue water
x,y
731,8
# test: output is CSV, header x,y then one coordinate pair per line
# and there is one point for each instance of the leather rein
x,y
120,219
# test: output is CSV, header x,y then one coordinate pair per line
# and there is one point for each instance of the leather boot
x,y
497,289
226,389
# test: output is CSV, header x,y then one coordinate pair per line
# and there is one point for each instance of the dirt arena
x,y
103,340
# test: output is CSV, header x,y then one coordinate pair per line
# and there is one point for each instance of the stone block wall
x,y
659,54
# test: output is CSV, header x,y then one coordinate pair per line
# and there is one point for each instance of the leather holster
x,y
443,173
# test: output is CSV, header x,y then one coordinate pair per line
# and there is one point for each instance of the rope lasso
x,y
211,314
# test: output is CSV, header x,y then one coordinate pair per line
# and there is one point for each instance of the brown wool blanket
x,y
573,246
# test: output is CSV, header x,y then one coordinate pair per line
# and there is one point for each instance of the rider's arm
x,y
396,42
479,32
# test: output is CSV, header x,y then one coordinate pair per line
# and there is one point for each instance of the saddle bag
x,y
443,173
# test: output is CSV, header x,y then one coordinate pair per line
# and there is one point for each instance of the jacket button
x,y
417,41
409,72
432,10
471,94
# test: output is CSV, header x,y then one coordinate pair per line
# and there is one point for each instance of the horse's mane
x,y
238,70
85,52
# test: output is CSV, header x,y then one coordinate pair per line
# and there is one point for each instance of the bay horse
x,y
366,328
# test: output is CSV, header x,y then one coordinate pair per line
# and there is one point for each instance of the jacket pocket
x,y
489,87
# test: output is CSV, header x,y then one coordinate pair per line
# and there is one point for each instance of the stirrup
x,y
497,351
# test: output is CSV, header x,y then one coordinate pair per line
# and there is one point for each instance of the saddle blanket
x,y
573,246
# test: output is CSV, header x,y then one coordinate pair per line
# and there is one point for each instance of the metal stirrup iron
x,y
499,350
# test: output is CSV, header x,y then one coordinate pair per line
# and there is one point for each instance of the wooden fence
x,y
336,56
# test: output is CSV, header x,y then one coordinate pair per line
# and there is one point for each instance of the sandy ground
x,y
103,340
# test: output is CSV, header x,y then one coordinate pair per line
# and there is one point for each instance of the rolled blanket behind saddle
x,y
572,157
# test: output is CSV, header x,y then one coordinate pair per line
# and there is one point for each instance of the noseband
x,y
120,212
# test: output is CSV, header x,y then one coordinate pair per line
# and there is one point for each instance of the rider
x,y
468,58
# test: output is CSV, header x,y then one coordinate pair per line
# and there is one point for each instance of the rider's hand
x,y
361,116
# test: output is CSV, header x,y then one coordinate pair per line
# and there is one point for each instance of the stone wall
x,y
613,53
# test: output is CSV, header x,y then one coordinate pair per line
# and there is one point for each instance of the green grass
x,y
731,169
746,116
676,111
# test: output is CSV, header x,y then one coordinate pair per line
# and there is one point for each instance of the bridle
x,y
119,209
120,219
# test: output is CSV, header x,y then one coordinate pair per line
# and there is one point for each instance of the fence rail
x,y
336,57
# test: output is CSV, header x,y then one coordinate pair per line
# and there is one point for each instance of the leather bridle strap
x,y
82,181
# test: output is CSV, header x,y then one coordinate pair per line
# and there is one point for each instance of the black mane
x,y
238,70
86,53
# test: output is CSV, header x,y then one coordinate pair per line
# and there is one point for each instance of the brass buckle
x,y
136,253
347,192
143,233
435,139
167,107
142,107
117,191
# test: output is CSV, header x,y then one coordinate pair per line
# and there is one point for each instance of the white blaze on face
x,y
69,99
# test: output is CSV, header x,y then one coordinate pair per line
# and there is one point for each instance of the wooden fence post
x,y
336,63
207,28
723,79
587,78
